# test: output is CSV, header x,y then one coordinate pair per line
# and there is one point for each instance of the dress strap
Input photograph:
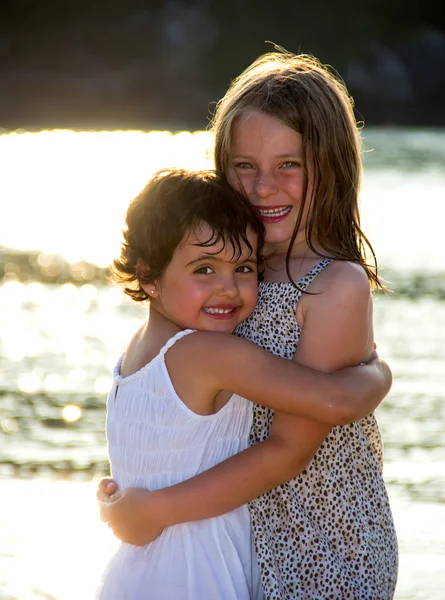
x,y
304,282
174,339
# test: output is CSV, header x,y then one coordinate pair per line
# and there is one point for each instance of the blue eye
x,y
290,163
243,166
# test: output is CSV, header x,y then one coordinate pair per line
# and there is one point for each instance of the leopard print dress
x,y
329,533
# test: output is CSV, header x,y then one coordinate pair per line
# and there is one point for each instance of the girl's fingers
x,y
107,485
101,496
103,515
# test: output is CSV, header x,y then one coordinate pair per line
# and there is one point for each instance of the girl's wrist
x,y
161,507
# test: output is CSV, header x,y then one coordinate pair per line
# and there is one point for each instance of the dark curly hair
x,y
173,203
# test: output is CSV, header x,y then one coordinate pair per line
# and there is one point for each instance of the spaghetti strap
x,y
173,340
304,282
119,380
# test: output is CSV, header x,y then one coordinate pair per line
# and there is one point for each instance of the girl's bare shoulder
x,y
339,275
202,356
341,284
200,343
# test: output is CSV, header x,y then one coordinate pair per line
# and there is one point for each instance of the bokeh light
x,y
71,413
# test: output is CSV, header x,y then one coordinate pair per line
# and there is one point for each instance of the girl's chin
x,y
277,237
275,242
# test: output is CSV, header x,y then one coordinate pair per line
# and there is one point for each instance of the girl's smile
x,y
221,312
273,214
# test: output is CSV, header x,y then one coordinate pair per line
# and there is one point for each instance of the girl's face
x,y
266,161
204,288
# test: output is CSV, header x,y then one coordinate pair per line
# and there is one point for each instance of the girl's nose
x,y
228,287
265,185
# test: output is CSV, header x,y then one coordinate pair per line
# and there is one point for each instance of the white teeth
x,y
274,212
218,311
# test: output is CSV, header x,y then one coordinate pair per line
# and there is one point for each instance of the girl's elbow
x,y
342,410
350,414
350,410
345,416
359,407
388,382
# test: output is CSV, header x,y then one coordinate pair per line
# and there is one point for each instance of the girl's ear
x,y
142,271
151,289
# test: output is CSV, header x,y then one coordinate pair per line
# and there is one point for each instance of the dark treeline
x,y
161,63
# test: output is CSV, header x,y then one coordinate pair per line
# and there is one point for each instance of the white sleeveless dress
x,y
155,441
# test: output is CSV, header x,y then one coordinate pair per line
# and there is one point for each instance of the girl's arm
x,y
224,362
336,398
137,516
337,328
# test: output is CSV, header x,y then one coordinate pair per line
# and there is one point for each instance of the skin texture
x,y
336,318
207,279
203,278
267,165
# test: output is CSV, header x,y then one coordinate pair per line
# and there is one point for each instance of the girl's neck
x,y
147,342
159,326
300,249
302,259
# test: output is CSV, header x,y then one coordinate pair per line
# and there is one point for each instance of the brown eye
x,y
245,269
203,271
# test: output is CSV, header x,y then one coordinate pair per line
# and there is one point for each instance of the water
x,y
65,193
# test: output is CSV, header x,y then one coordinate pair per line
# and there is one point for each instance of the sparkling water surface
x,y
65,193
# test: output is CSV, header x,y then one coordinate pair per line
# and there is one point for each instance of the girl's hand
x,y
133,515
106,488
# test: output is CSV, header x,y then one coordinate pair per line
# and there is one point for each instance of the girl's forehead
x,y
251,116
256,124
264,136
208,238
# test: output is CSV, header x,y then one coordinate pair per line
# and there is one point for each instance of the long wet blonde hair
x,y
309,98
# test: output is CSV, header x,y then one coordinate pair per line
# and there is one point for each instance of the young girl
x,y
191,248
286,136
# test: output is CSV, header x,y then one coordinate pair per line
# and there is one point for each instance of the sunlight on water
x,y
78,546
71,412
66,193
403,215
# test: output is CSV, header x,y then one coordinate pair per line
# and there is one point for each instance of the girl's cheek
x,y
232,178
245,185
252,294
240,180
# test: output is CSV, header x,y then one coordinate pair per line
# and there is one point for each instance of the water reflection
x,y
82,182
404,149
66,192
60,343
60,337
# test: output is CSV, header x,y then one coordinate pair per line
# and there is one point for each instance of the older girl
x,y
285,135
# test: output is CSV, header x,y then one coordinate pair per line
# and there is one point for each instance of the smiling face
x,y
266,160
209,288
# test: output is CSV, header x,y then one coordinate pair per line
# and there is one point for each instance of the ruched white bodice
x,y
155,441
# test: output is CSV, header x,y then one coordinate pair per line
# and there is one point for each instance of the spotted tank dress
x,y
328,533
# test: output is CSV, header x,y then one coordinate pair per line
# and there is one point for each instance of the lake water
x,y
65,193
